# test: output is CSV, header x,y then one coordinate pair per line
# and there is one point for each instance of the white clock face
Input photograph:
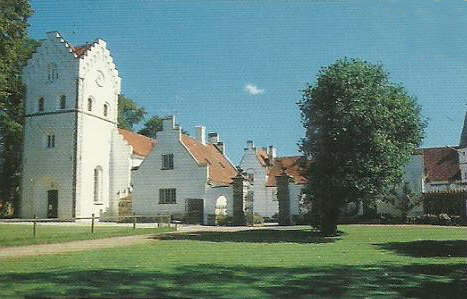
x,y
100,79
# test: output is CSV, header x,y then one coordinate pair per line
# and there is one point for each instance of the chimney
x,y
201,134
221,147
271,153
213,138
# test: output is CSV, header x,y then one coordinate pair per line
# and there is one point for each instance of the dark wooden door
x,y
194,210
52,204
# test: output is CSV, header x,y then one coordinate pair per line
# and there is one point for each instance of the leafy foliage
x,y
129,113
15,49
151,127
360,132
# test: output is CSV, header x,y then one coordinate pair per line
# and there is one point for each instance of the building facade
x,y
75,161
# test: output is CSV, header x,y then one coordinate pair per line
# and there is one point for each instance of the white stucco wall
x,y
53,168
48,168
186,177
264,202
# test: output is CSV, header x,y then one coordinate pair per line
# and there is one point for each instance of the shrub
x,y
444,219
258,219
223,220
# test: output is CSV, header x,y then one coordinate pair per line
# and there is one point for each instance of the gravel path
x,y
44,249
73,246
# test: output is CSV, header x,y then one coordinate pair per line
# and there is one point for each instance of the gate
x,y
194,208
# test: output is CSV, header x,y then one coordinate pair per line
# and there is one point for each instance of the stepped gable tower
x,y
70,120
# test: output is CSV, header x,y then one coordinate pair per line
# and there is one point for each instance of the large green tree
x,y
15,49
360,132
151,127
129,113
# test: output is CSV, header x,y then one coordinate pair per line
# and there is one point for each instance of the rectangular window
x,y
168,161
167,196
50,141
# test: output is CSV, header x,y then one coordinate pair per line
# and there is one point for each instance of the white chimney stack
x,y
272,153
201,134
213,138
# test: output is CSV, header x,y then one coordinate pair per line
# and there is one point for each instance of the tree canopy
x,y
360,132
129,113
15,49
151,127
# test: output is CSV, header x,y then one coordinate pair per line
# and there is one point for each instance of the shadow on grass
x,y
207,280
253,236
428,248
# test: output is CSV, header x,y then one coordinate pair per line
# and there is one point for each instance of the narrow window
x,y
106,110
168,161
40,104
251,177
167,196
51,141
63,102
89,104
97,183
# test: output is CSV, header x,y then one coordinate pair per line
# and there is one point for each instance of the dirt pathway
x,y
73,246
44,249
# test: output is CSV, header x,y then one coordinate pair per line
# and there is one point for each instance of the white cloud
x,y
253,90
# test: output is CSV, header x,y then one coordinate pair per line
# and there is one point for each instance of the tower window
x,y
106,109
97,183
89,104
62,102
40,104
51,141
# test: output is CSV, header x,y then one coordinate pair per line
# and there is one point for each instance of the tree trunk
x,y
328,219
328,225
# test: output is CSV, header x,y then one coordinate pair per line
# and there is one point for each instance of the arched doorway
x,y
221,205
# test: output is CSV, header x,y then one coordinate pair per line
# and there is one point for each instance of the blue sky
x,y
238,67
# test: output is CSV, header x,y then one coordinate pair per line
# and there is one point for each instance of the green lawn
x,y
19,234
365,261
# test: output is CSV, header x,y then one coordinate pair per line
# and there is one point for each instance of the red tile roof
x,y
293,166
79,51
262,158
141,144
441,164
221,171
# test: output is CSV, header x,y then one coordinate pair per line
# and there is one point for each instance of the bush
x,y
223,220
258,219
444,219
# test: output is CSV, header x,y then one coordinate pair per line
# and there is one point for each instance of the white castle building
x,y
75,162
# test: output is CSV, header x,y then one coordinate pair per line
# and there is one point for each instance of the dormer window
x,y
40,104
62,102
52,72
89,104
106,110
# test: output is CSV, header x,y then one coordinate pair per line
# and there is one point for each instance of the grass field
x,y
19,234
364,261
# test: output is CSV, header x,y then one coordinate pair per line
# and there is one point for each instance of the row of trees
x,y
15,49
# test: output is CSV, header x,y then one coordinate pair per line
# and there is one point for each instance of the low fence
x,y
157,220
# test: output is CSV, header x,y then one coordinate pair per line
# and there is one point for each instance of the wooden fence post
x,y
134,221
92,223
34,226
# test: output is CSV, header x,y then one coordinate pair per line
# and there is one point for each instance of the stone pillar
x,y
283,196
238,197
